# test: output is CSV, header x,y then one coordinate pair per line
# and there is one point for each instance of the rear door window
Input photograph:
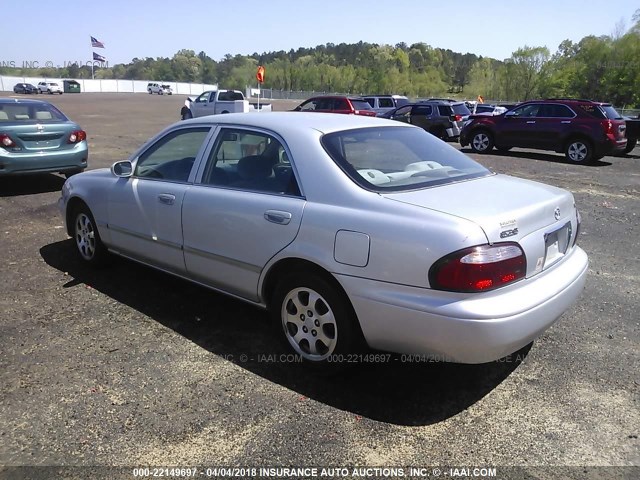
x,y
445,110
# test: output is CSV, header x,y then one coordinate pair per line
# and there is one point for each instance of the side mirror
x,y
510,114
123,169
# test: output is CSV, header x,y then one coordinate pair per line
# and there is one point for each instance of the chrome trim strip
x,y
148,238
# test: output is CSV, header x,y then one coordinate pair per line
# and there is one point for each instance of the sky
x,y
159,28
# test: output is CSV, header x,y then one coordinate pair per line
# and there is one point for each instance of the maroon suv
x,y
584,130
337,104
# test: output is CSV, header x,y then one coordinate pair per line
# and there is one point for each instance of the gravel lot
x,y
127,366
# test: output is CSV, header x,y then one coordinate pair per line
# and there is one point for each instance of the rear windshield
x,y
601,111
30,112
230,96
360,105
394,159
461,109
611,112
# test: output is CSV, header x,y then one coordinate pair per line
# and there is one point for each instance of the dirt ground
x,y
130,367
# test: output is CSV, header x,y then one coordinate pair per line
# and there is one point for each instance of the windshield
x,y
392,159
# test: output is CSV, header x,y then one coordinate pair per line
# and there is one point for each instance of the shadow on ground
x,y
398,391
545,157
30,184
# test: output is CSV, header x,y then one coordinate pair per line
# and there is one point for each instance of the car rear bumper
x,y
611,147
465,328
42,162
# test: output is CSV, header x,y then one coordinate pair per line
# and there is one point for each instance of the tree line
x,y
603,68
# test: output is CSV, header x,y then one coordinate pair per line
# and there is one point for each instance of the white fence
x,y
110,86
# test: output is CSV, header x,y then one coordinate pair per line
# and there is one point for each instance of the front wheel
x,y
482,142
315,319
87,238
579,151
631,144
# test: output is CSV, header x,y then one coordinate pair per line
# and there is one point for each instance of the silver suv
x,y
385,103
159,88
49,87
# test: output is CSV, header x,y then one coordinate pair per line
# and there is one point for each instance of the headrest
x,y
254,167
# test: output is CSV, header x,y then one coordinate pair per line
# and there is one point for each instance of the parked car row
x,y
583,130
43,87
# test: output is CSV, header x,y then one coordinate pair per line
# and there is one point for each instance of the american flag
x,y
99,58
95,43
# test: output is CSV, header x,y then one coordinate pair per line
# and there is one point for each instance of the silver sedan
x,y
351,231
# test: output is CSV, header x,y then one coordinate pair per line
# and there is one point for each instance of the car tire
x,y
631,144
186,114
578,150
87,238
439,132
314,319
481,141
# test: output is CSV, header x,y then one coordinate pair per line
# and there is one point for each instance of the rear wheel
x,y
631,144
481,141
315,320
439,132
87,238
579,150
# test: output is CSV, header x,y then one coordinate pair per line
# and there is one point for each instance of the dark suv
x,y
582,129
442,118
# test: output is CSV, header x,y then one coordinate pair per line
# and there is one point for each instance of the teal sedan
x,y
36,137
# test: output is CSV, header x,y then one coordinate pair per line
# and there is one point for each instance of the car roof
x,y
348,97
292,121
7,101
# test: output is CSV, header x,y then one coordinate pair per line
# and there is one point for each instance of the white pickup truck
x,y
215,102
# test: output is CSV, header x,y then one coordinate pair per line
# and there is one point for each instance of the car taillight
x,y
77,136
578,223
6,141
457,118
608,127
478,269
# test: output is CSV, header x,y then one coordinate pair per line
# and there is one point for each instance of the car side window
x,y
402,112
527,110
172,157
249,160
555,111
204,97
309,106
423,110
385,102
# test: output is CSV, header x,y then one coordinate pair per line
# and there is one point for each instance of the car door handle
x,y
531,121
167,198
566,121
277,216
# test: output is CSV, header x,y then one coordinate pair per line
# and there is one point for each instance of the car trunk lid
x,y
35,137
541,218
